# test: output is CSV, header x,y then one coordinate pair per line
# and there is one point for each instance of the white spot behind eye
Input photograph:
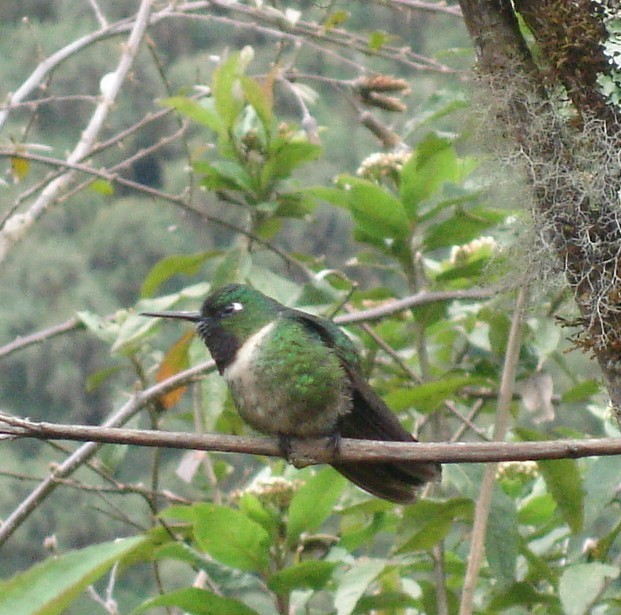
x,y
237,307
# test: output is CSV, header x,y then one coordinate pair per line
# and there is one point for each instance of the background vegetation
x,y
336,157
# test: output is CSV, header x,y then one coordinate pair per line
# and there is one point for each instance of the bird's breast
x,y
285,382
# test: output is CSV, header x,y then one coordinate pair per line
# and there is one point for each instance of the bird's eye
x,y
232,308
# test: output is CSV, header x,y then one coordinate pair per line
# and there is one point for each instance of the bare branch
x,y
18,225
424,297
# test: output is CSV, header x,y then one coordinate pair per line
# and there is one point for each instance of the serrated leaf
x,y
305,575
197,602
580,585
314,502
231,537
166,268
50,587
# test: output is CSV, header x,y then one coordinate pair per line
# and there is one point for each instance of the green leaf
x,y
581,584
314,502
311,574
523,594
433,521
231,537
377,39
203,113
260,98
163,270
335,19
334,196
502,538
288,156
234,267
355,582
433,163
462,227
387,602
582,391
564,482
428,396
537,510
473,269
229,101
601,483
376,211
197,602
50,587
563,479
102,186
225,174
96,379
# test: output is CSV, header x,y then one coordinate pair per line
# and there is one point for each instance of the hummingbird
x,y
297,376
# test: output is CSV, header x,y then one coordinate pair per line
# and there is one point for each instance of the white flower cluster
x,y
462,254
275,489
517,469
380,164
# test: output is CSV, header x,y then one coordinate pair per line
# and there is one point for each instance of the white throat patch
x,y
238,369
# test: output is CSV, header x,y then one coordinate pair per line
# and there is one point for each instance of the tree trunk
x,y
552,109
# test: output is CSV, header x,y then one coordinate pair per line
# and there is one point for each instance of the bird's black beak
x,y
191,316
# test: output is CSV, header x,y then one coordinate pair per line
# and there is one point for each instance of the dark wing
x,y
371,419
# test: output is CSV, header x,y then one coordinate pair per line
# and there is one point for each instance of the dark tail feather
x,y
371,419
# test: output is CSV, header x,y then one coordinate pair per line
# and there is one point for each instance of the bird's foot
x,y
333,443
289,450
302,452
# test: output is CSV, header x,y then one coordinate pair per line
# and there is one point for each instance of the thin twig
x,y
481,513
19,343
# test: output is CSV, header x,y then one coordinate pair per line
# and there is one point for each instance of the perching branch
x,y
309,452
